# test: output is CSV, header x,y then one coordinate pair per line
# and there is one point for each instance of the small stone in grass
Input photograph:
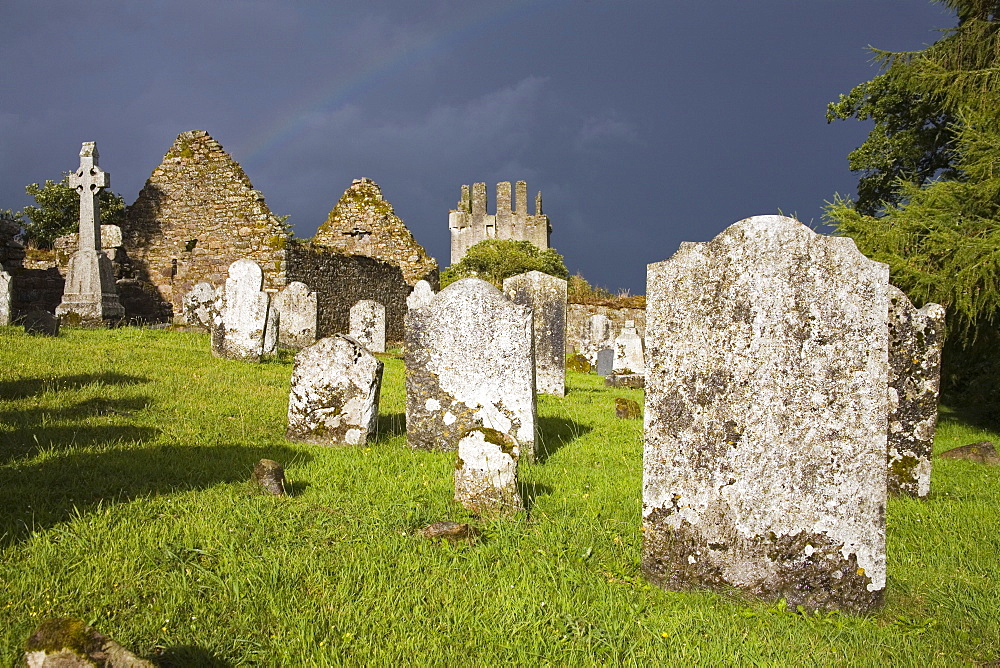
x,y
270,477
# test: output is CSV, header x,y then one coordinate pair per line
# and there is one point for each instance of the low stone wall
x,y
577,314
341,280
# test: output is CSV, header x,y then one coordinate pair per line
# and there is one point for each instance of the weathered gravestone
x,y
296,307
202,306
629,358
546,296
596,335
765,417
89,295
368,324
470,363
40,322
915,340
421,295
605,361
5,297
486,473
243,324
334,393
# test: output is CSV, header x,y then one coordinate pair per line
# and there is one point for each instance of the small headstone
x,y
111,237
469,363
605,361
297,309
334,393
579,363
983,452
486,473
66,642
546,296
627,409
629,358
240,335
202,306
39,322
595,336
90,296
269,476
766,417
453,532
915,340
420,296
5,297
368,324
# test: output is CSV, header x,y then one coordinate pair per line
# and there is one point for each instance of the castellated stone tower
x,y
470,224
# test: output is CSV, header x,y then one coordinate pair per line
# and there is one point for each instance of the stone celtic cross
x,y
88,181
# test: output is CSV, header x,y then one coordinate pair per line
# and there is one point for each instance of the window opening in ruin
x,y
190,244
357,232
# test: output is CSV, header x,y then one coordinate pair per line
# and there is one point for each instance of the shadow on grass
x,y
35,497
186,656
31,387
554,433
969,416
530,491
390,425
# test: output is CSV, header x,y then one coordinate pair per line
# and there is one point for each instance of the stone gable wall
x,y
364,223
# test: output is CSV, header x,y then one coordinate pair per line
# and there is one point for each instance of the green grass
x,y
124,457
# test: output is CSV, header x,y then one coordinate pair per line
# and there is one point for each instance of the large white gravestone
x,y
6,294
546,296
244,314
765,417
335,393
90,296
470,363
368,324
420,296
629,356
915,340
297,309
486,473
596,335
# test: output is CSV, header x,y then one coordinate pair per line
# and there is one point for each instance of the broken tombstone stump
x,y
486,473
626,409
66,642
269,476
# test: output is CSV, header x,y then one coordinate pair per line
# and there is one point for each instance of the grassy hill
x,y
124,457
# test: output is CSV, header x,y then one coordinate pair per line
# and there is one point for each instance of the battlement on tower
x,y
469,223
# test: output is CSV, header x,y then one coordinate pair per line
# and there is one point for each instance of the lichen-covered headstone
x,y
297,309
202,306
421,295
546,295
5,297
90,295
629,357
470,363
765,417
605,361
596,335
915,340
244,314
368,324
486,473
334,393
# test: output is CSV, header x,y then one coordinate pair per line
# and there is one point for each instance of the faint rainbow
x,y
340,92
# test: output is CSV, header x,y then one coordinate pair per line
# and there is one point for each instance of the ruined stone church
x,y
469,223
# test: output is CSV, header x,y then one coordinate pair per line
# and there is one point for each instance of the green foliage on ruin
x,y
58,211
494,260
928,199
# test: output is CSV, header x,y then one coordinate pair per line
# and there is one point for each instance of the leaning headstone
x,y
421,295
297,308
766,416
39,322
915,340
334,393
89,296
368,324
596,335
629,357
605,362
470,363
486,473
5,297
202,306
546,295
240,334
67,642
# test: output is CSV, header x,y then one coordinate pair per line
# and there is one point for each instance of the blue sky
x,y
643,123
